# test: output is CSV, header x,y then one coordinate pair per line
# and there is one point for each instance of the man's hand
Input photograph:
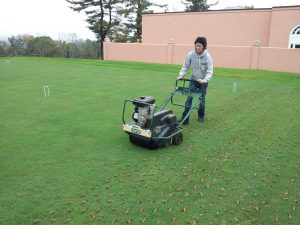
x,y
200,81
179,77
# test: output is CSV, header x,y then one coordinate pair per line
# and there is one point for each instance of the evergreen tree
x,y
101,15
197,5
133,12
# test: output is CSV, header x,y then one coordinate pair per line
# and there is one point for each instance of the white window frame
x,y
294,37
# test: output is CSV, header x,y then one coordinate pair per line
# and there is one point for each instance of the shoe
x,y
201,120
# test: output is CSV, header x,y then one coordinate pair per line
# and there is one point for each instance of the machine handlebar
x,y
184,80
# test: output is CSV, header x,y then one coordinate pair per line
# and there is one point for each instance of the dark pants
x,y
189,100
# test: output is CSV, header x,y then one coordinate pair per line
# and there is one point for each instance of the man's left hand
x,y
200,81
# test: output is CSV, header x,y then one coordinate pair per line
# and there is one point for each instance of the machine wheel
x,y
177,139
167,143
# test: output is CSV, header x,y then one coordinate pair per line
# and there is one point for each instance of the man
x,y
202,70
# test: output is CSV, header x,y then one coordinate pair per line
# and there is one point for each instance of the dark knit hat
x,y
201,40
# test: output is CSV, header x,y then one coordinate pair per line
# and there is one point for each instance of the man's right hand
x,y
179,77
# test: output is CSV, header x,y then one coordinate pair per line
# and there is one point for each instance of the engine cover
x,y
143,101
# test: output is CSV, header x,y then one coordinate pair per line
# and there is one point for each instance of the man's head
x,y
200,45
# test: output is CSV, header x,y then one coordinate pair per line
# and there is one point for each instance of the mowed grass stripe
x,y
65,159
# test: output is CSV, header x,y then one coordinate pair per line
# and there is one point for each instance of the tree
x,y
69,46
197,5
68,43
3,48
121,33
101,15
88,50
16,45
44,46
133,16
27,39
19,44
13,45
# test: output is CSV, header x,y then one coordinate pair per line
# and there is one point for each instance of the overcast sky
x,y
54,18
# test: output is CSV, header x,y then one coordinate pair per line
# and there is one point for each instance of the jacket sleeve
x,y
210,69
185,67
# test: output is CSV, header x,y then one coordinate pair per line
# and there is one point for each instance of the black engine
x,y
162,123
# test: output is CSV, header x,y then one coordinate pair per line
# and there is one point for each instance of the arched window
x,y
295,37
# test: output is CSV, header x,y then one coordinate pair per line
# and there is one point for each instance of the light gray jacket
x,y
202,66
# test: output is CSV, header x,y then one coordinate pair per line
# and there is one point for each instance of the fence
x,y
244,57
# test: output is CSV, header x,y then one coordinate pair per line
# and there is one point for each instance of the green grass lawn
x,y
65,159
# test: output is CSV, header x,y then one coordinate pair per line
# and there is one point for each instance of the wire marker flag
x,y
46,91
234,87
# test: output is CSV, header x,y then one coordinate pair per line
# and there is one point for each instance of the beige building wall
x,y
229,28
283,21
272,27
244,57
137,52
279,59
246,39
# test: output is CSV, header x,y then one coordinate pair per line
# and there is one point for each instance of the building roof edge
x,y
225,10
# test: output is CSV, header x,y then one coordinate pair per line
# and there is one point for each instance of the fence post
x,y
255,55
170,51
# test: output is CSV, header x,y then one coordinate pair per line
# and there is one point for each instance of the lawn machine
x,y
153,127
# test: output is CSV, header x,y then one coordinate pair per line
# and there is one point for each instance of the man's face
x,y
199,48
